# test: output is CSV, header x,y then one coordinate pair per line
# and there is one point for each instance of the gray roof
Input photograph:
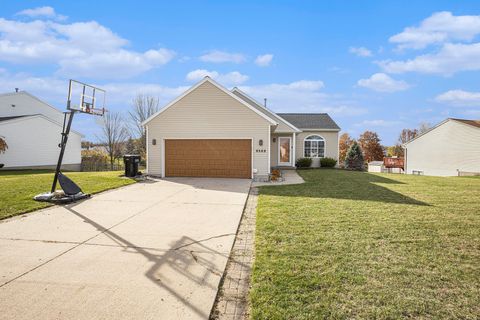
x,y
310,120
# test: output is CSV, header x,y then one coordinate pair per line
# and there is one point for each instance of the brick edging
x,y
232,297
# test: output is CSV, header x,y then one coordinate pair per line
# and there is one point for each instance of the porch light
x,y
154,142
260,142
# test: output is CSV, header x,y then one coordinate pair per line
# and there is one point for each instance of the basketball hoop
x,y
91,100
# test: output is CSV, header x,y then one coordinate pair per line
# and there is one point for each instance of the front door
x,y
284,151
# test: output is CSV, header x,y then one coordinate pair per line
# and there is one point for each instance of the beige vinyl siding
x,y
208,112
331,145
440,152
281,127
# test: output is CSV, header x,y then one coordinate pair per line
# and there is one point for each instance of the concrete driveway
x,y
153,250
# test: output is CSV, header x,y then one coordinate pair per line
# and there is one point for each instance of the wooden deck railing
x,y
390,162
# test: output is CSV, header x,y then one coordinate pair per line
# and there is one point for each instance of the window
x,y
314,147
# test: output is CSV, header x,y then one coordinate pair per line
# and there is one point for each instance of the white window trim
x,y
324,146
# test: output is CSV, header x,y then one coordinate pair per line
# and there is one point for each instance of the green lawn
x,y
17,188
351,245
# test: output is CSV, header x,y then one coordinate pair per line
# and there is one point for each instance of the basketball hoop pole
x,y
62,145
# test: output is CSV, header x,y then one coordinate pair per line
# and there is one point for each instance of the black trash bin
x,y
131,162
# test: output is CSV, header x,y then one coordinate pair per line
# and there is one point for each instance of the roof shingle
x,y
310,120
475,123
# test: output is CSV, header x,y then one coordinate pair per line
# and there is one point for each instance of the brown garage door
x,y
226,158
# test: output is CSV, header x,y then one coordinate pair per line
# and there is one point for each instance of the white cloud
x,y
47,12
360,51
217,56
54,90
440,27
119,64
78,49
121,94
383,83
378,123
450,59
302,96
264,60
198,74
230,78
459,98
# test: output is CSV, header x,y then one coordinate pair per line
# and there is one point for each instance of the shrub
x,y
3,145
303,162
354,158
94,155
328,162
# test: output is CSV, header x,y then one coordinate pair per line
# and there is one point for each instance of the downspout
x,y
269,150
294,148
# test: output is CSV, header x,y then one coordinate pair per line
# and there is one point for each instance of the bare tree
x,y
407,135
143,106
424,127
114,134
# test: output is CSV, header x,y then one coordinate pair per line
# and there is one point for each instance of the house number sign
x,y
261,150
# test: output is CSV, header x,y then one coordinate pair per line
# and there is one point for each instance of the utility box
x,y
131,164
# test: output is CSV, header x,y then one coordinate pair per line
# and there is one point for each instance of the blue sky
x,y
376,65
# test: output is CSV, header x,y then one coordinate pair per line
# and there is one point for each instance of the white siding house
x,y
450,147
32,130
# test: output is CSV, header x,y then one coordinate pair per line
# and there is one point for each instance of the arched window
x,y
314,147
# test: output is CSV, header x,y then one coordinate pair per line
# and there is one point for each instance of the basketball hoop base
x,y
70,192
59,197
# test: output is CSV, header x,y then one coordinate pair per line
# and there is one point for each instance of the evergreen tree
x,y
354,159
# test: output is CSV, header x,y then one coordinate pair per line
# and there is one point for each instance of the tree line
x,y
370,147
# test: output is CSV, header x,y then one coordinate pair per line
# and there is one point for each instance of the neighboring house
x,y
450,147
32,130
210,131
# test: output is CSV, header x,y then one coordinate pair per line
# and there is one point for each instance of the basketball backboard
x,y
85,98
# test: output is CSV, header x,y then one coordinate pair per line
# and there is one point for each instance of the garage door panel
x,y
208,158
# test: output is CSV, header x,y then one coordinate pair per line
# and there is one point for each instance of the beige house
x,y
210,131
450,148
